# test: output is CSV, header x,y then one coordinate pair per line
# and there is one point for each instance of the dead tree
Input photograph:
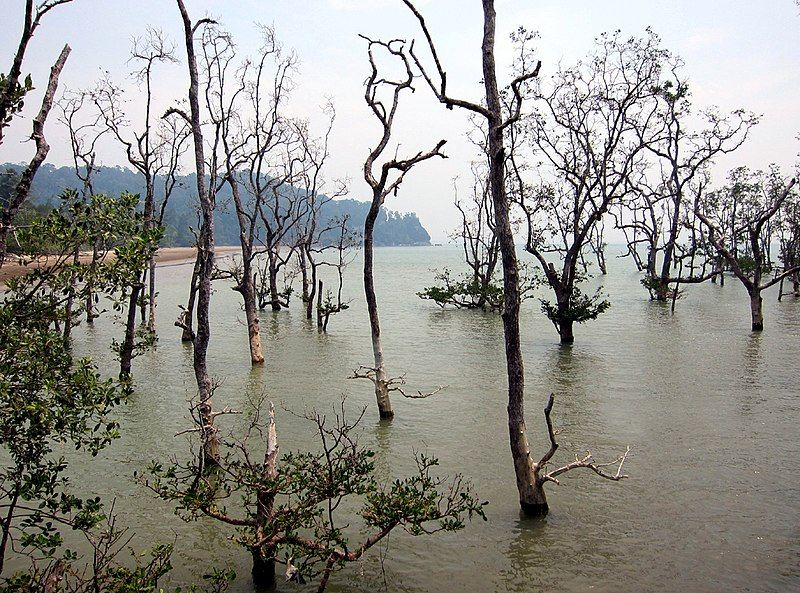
x,y
583,131
205,250
10,101
788,230
499,118
12,91
681,152
384,179
145,149
312,232
497,122
343,242
84,135
226,90
759,198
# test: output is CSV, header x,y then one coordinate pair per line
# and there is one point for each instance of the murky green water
x,y
710,410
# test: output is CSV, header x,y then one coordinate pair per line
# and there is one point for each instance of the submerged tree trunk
x,y
264,556
531,497
71,297
248,291
273,282
263,570
90,314
381,378
151,319
126,350
565,331
187,316
205,258
756,312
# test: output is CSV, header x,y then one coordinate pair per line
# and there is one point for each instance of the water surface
x,y
710,410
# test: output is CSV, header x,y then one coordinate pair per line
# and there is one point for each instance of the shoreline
x,y
166,256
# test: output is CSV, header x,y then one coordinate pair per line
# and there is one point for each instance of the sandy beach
x,y
166,256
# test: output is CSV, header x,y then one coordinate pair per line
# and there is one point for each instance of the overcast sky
x,y
738,53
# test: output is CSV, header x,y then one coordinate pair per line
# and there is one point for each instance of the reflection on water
x,y
710,410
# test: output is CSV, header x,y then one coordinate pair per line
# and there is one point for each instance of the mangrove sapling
x,y
384,182
759,198
477,288
105,571
290,510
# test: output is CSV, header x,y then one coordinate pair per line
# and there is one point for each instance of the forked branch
x,y
587,461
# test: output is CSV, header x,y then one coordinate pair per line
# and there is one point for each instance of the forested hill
x,y
392,228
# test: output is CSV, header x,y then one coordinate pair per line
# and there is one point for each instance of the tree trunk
x,y
273,282
126,351
263,571
188,314
205,258
307,302
151,319
565,331
756,310
263,556
381,378
71,297
319,305
530,497
251,314
90,314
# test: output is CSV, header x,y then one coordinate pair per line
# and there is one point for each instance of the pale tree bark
x,y
383,182
23,188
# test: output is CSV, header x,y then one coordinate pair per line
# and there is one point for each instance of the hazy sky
x,y
738,53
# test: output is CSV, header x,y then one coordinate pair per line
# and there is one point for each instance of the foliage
x,y
292,508
465,292
13,94
579,308
48,399
330,305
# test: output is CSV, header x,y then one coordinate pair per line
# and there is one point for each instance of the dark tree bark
x,y
531,496
205,253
